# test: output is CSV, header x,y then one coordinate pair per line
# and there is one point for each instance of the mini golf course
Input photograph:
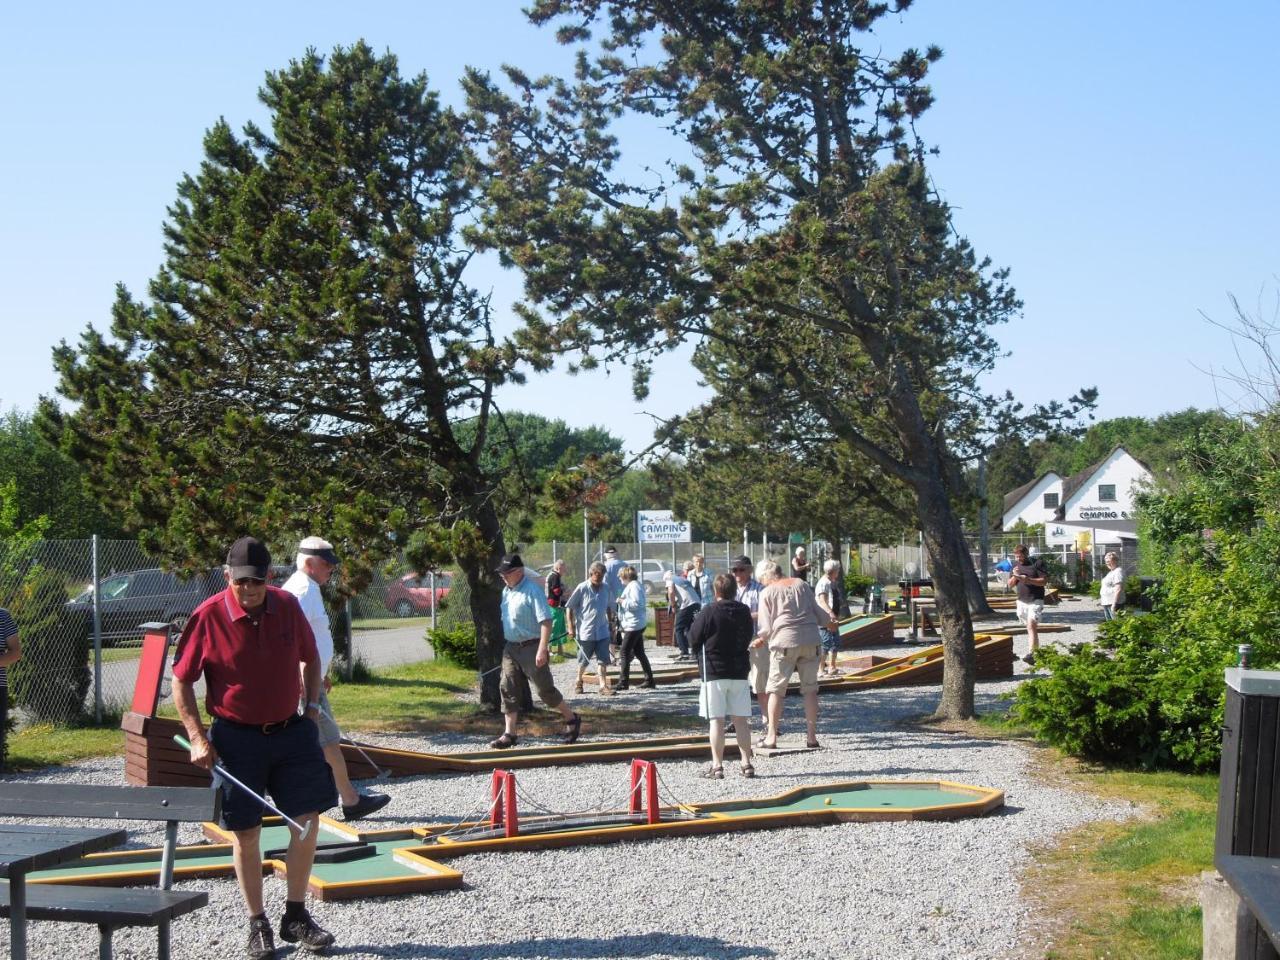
x,y
356,863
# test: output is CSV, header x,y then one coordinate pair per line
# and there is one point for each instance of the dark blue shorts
x,y
287,764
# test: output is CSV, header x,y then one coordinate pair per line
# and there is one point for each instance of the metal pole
x,y
97,633
640,554
431,580
746,543
554,558
984,535
586,544
351,638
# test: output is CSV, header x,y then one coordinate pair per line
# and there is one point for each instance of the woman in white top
x,y
633,616
1111,593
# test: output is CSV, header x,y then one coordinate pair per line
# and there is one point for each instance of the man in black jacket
x,y
719,639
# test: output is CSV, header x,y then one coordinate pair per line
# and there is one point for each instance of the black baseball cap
x,y
510,561
740,561
249,557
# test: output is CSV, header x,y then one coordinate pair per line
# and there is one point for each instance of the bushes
x,y
51,680
1091,706
856,585
455,644
1154,697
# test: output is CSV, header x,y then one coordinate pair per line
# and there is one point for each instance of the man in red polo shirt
x,y
246,642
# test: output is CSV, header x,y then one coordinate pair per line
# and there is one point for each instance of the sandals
x,y
504,742
764,743
713,773
572,728
748,771
813,745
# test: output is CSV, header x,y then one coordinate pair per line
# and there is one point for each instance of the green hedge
x,y
51,680
1150,693
455,644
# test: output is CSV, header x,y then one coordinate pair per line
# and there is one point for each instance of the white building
x,y
1097,501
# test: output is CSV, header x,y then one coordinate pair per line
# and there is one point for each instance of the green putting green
x,y
405,859
871,796
857,623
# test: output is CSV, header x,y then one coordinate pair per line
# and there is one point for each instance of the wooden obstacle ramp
x,y
993,654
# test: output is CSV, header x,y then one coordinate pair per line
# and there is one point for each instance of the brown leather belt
x,y
264,728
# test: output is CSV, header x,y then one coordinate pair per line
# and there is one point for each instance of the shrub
x,y
455,644
51,680
857,585
1091,706
1156,700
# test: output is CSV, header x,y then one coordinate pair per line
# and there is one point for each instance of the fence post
x,y
351,638
97,633
431,579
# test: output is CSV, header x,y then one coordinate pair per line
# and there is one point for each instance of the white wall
x,y
1030,509
1126,474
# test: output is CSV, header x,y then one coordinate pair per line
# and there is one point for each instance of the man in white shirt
x,y
316,562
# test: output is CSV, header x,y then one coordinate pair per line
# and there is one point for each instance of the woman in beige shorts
x,y
789,616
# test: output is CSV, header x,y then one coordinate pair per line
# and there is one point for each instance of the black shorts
x,y
288,764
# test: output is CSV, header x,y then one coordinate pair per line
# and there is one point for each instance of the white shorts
x,y
724,698
1030,612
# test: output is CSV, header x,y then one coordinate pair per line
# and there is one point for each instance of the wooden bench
x,y
111,907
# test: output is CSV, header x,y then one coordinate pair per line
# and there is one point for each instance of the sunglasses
x,y
249,581
740,569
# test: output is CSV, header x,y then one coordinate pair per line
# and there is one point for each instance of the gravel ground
x,y
901,890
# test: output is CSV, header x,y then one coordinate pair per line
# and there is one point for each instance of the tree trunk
x,y
486,597
951,573
975,588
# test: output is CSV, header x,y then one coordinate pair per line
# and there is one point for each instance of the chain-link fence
x,y
80,646
47,586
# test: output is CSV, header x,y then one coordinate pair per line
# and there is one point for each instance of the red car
x,y
411,594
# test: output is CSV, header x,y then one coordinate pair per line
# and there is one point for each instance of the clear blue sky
x,y
1120,157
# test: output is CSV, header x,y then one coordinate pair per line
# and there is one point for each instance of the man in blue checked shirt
x,y
526,627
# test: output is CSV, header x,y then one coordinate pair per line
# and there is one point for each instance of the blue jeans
x,y
684,620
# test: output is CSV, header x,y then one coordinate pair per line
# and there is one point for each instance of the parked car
x,y
411,595
150,595
652,573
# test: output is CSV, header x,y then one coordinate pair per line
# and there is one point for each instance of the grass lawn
x,y
391,623
43,745
1124,889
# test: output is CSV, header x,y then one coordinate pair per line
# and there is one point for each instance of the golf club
x,y
382,774
220,771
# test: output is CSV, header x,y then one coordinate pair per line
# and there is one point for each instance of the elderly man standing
x,y
526,626
247,642
587,611
316,562
788,622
